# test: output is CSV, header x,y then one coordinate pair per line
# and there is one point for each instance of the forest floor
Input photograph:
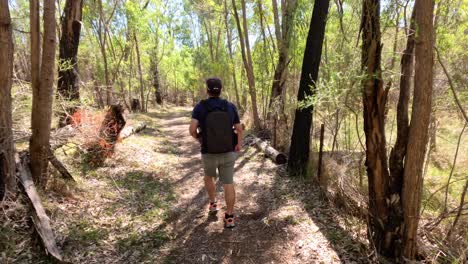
x,y
147,204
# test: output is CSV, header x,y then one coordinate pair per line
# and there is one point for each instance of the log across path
x,y
147,204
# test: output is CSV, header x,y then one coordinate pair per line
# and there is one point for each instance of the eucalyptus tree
x,y
243,34
418,130
7,161
394,198
42,71
300,139
68,85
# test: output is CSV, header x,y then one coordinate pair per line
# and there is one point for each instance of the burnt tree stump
x,y
136,106
109,131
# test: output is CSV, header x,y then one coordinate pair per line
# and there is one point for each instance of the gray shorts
x,y
224,162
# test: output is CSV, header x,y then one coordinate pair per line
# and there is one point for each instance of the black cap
x,y
214,85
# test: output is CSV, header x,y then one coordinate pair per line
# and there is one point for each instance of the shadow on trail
x,y
264,232
200,239
325,217
257,238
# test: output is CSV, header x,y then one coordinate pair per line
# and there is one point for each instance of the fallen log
x,y
275,155
59,166
128,131
40,219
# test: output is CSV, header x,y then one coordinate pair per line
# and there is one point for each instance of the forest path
x,y
151,207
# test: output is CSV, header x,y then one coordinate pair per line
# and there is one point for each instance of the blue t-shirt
x,y
199,112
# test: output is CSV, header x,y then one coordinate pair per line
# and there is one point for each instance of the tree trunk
x,y
7,158
381,234
156,83
300,139
231,57
68,87
209,36
43,93
102,35
247,59
279,79
418,131
277,22
140,74
398,153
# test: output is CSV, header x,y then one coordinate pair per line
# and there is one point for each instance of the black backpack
x,y
217,133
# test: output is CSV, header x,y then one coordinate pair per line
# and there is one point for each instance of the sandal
x,y
229,221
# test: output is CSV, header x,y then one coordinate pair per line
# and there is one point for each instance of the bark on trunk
x,y
43,93
68,87
381,233
102,36
7,159
279,78
231,57
156,83
420,118
247,59
398,153
140,74
277,22
300,139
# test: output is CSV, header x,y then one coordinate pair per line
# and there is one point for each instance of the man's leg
x,y
209,166
226,175
230,197
210,188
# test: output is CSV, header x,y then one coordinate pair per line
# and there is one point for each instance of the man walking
x,y
216,125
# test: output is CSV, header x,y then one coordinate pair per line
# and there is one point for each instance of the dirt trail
x,y
273,225
151,207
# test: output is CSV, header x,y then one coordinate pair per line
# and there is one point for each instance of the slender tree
x,y
247,59
398,153
140,73
42,86
287,25
276,103
7,161
276,19
300,139
101,30
420,119
231,57
156,82
68,87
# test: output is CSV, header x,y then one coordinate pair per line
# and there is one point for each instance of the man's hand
x,y
239,131
193,129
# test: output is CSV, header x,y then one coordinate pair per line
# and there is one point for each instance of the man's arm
x,y
193,128
238,128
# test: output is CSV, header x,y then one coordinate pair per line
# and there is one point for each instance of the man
x,y
216,118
